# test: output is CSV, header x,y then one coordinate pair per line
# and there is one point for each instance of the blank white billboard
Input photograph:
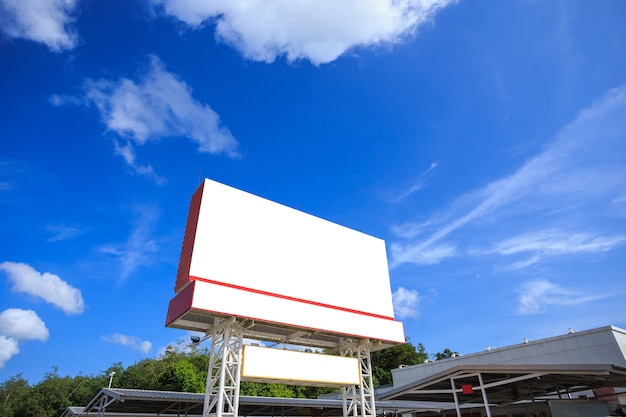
x,y
281,265
270,365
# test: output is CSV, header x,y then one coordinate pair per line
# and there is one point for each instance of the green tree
x,y
183,377
12,394
140,375
48,397
446,354
179,368
383,361
258,389
85,387
302,391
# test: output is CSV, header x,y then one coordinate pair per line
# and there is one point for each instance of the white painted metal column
x,y
456,397
484,393
222,388
359,401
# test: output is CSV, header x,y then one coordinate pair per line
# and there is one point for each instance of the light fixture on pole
x,y
111,378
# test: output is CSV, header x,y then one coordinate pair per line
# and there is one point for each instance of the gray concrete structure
x,y
604,345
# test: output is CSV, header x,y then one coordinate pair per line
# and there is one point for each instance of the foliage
x,y
383,361
266,390
182,369
446,354
13,391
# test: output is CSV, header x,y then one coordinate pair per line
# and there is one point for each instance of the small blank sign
x,y
277,365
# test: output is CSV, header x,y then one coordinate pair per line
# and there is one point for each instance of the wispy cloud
x,y
420,254
554,242
127,152
49,287
140,247
156,105
406,303
62,232
536,296
317,30
17,325
417,185
44,21
133,342
582,169
159,104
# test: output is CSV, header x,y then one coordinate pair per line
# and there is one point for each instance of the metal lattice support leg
x,y
359,400
222,387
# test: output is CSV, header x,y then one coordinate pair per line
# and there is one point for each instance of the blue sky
x,y
485,142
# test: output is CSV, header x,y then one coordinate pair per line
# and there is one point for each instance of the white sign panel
x,y
271,365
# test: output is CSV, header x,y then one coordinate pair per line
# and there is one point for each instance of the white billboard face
x,y
245,247
271,365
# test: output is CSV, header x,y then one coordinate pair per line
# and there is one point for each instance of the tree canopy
x,y
177,369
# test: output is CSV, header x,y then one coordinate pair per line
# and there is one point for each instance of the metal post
x,y
484,392
456,398
359,400
223,379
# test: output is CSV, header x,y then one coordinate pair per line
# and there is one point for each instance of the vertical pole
x,y
101,408
224,374
359,401
367,381
484,392
456,398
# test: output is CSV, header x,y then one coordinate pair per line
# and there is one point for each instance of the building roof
x,y
505,384
136,403
595,346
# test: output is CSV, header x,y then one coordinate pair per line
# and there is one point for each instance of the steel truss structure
x,y
224,374
358,400
222,386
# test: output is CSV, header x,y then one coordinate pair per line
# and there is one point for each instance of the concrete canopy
x,y
506,384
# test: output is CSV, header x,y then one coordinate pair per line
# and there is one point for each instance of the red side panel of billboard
x,y
182,278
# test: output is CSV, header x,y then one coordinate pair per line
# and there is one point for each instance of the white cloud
x,y
317,30
16,325
570,186
8,349
140,246
406,303
159,105
21,324
421,255
62,232
133,342
45,21
127,152
557,242
156,105
47,286
536,296
418,184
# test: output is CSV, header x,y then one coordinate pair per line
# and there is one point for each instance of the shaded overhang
x,y
506,384
132,402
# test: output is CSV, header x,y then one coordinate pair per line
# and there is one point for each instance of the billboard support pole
x,y
222,388
358,400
